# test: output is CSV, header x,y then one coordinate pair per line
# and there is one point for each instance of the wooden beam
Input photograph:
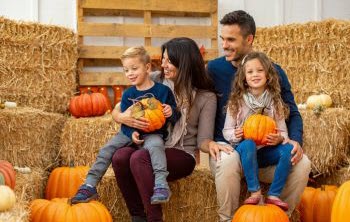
x,y
114,52
142,30
151,5
147,20
102,78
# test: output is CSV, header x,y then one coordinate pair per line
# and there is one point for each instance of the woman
x,y
184,72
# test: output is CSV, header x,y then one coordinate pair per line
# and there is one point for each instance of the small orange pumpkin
x,y
59,209
118,92
65,181
151,109
341,204
316,204
257,127
88,104
7,174
260,213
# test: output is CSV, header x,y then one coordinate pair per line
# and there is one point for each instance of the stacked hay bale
x,y
38,72
37,65
316,58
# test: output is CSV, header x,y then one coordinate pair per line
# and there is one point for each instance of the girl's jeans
x,y
253,159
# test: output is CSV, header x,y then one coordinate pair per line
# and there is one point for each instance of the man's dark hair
x,y
242,19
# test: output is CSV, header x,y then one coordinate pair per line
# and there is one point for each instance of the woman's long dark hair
x,y
184,54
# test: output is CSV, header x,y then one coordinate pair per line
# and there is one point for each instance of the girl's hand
x,y
274,139
239,133
135,136
167,111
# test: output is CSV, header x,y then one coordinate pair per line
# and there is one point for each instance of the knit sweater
x,y
223,73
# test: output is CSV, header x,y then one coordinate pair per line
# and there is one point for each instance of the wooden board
x,y
145,10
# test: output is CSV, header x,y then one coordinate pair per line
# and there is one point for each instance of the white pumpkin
x,y
7,198
323,100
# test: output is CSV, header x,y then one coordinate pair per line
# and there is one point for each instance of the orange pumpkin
x,y
88,104
316,204
151,109
257,127
260,213
341,204
118,91
7,174
65,181
58,210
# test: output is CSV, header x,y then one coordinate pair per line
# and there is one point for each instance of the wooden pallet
x,y
100,56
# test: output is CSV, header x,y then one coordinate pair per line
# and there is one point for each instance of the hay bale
x,y
19,213
314,55
30,137
37,64
193,198
326,138
337,178
82,138
30,186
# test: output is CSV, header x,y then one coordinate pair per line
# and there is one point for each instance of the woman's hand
x,y
126,119
135,136
239,133
167,111
215,148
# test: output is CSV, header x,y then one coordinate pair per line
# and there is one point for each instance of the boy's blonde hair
x,y
137,51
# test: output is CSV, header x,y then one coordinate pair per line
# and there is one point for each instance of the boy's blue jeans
x,y
253,159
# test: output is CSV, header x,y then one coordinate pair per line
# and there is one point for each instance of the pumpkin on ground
x,y
7,198
88,104
151,109
322,100
65,181
59,209
316,204
260,213
341,204
257,127
7,174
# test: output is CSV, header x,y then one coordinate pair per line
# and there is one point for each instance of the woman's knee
x,y
139,157
121,157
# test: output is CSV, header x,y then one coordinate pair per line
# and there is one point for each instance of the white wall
x,y
266,13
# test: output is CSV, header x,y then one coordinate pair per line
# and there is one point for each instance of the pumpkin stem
x,y
261,110
71,163
323,187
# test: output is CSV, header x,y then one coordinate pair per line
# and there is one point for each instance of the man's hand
x,y
135,136
215,148
297,152
167,111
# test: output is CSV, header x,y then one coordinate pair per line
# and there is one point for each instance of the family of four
x,y
205,108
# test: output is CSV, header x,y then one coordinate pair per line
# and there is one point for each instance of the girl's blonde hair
x,y
137,51
240,86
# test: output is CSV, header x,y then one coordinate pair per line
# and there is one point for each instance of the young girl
x,y
256,86
137,67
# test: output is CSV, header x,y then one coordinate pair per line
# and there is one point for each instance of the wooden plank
x,y
152,5
102,78
128,13
110,52
142,30
147,19
114,52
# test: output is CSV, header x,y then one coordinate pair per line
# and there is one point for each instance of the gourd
x,y
7,198
152,110
7,174
322,100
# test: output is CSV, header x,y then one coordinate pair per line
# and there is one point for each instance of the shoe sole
x,y
93,197
153,202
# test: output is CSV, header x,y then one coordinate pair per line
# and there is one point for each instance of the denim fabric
x,y
253,159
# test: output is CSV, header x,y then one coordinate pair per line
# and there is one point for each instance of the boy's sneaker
x,y
84,194
160,195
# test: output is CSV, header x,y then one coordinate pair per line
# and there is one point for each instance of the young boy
x,y
137,67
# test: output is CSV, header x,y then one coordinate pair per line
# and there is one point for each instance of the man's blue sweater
x,y
160,92
223,72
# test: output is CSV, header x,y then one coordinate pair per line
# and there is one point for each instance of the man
x,y
237,34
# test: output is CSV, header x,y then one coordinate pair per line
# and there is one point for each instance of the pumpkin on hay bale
x,y
7,198
7,174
